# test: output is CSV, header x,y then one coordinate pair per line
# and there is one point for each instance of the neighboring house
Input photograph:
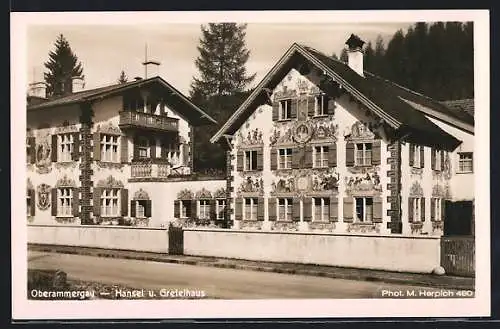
x,y
321,145
116,155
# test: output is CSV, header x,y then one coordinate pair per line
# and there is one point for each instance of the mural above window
x,y
251,184
185,194
361,130
366,183
325,182
43,152
416,190
108,128
203,194
65,182
220,193
110,182
253,137
141,195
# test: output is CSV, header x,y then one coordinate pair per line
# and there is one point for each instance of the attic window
x,y
285,111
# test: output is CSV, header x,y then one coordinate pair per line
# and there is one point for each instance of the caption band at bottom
x,y
119,293
424,293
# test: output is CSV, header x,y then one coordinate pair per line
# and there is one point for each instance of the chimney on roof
x,y
137,78
355,54
77,84
37,89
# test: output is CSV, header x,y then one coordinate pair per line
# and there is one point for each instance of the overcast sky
x,y
105,50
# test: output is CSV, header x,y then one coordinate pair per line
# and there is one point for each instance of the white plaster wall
x,y
163,195
346,114
381,252
99,236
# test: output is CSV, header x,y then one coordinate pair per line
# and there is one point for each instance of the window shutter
x,y
271,209
293,107
187,204
349,155
136,147
32,149
147,209
348,210
238,209
124,201
260,209
133,208
443,206
376,152
311,106
433,159
410,210
422,209
377,210
332,155
97,146
334,209
213,213
308,157
276,109
53,195
331,105
307,209
124,149
260,160
296,209
433,209
163,149
422,156
32,202
295,158
152,148
185,154
177,209
274,159
97,201
239,161
412,154
194,209
75,156
442,159
53,154
76,202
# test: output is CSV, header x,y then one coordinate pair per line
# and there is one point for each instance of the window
x,y
64,202
140,208
143,147
250,212
110,202
285,209
436,208
416,209
109,148
417,149
204,209
364,209
363,154
250,160
284,158
185,208
320,105
220,205
285,112
437,157
321,211
320,155
65,147
465,162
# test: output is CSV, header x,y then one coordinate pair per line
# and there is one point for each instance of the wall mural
x,y
362,130
303,132
416,172
322,227
253,138
66,128
252,184
203,194
445,174
185,194
250,225
43,196
303,181
108,128
416,190
220,193
363,228
65,182
42,153
141,195
285,226
364,183
439,191
110,182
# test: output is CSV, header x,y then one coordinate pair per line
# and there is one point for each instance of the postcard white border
x,y
24,309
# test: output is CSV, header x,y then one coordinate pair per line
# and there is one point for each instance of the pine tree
x,y
123,77
63,65
221,62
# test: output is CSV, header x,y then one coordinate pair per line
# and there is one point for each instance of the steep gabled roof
x,y
461,105
384,98
182,104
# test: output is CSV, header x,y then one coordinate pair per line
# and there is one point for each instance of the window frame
x,y
364,220
115,208
252,163
112,156
285,109
205,205
64,202
220,208
416,155
461,162
417,209
364,151
143,145
253,208
324,207
287,209
324,155
65,147
436,211
184,205
320,108
285,158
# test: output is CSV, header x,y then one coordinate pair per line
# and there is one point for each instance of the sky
x,y
105,50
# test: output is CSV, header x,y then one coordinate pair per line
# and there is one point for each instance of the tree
x,y
123,78
63,66
221,62
343,55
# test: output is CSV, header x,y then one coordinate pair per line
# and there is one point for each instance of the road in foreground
x,y
218,283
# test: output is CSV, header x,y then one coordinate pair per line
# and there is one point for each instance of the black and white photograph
x,y
250,164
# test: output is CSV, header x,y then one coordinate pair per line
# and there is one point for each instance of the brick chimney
x,y
355,54
77,84
37,89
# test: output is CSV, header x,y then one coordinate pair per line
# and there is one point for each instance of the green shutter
x,y
177,209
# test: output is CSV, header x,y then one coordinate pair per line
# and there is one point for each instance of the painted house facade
x,y
324,146
117,155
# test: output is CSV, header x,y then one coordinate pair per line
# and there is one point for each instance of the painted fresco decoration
x,y
302,132
361,130
416,227
253,138
322,227
203,194
418,172
65,181
110,165
325,129
285,226
368,182
445,174
108,128
43,196
282,134
110,182
66,128
363,228
141,195
66,165
437,227
185,194
438,191
251,184
220,193
416,190
42,153
326,182
250,225
283,185
285,93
